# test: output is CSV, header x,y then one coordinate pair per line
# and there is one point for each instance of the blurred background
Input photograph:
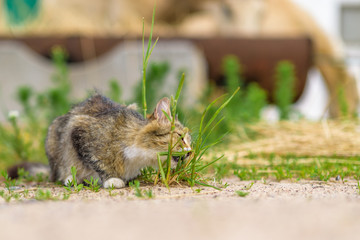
x,y
294,59
320,39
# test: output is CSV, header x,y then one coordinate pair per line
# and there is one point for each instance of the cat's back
x,y
95,105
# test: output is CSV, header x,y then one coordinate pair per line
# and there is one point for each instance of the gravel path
x,y
276,210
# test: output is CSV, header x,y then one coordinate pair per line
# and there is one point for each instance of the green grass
x,y
92,184
241,193
278,168
146,194
74,186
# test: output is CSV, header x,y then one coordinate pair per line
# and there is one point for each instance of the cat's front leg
x,y
114,183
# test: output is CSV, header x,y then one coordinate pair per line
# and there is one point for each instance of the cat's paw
x,y
114,182
68,181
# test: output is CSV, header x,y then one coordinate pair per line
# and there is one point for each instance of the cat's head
x,y
157,133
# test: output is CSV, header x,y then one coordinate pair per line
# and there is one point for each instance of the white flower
x,y
13,114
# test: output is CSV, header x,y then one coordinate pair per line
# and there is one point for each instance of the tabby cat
x,y
110,141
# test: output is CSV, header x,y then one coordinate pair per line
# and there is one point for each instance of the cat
x,y
109,141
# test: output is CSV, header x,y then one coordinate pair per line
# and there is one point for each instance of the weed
x,y
66,196
135,185
110,190
241,193
149,194
138,192
73,184
92,184
42,195
9,183
6,196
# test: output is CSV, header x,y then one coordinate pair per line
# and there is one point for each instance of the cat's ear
x,y
162,106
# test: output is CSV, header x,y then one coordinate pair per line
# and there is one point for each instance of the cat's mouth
x,y
177,158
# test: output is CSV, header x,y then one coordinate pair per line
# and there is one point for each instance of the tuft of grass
x,y
73,186
9,183
44,195
92,184
319,168
148,194
189,171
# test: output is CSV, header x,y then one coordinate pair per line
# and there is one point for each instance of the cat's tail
x,y
31,167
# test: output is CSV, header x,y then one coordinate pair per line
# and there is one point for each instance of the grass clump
x,y
148,194
241,193
92,184
73,186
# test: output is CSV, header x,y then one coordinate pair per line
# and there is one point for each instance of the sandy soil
x,y
275,210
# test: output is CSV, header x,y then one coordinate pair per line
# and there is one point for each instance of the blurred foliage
x,y
20,12
284,94
344,108
246,106
115,91
155,77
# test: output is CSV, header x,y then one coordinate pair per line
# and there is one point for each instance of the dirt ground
x,y
271,210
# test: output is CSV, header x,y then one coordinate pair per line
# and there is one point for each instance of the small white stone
x,y
114,182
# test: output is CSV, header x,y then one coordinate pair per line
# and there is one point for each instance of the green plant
x,y
73,184
146,57
92,184
285,87
149,194
251,99
110,190
6,196
42,195
241,193
9,183
138,192
189,170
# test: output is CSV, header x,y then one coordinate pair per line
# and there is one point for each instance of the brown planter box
x,y
258,56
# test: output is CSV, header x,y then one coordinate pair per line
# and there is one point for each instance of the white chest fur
x,y
137,158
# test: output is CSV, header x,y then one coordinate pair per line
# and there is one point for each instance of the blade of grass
x,y
220,108
212,162
146,59
162,171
